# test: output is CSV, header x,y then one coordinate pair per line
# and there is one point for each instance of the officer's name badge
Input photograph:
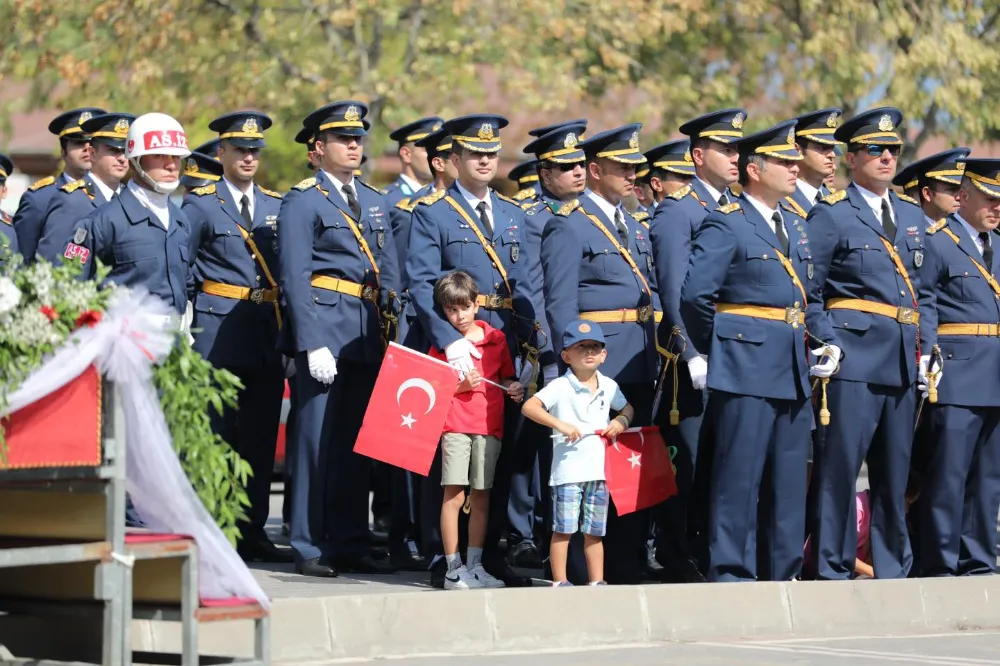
x,y
271,220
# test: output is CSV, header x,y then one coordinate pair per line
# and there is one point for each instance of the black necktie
x,y
723,199
819,196
485,219
622,229
245,211
984,237
779,231
352,201
887,223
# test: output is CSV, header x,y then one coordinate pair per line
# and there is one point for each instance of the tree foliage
x,y
659,61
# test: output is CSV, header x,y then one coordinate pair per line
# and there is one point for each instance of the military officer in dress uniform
x,y
957,507
525,174
415,173
339,278
598,266
472,227
234,244
934,182
864,298
74,201
560,166
202,168
8,239
744,302
671,167
814,136
714,156
140,234
643,193
74,147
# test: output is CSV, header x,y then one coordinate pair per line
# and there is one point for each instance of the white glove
x,y
698,369
322,365
829,361
186,322
459,355
549,373
289,368
922,369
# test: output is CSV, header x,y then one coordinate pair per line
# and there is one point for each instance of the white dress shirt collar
x,y
765,211
807,190
238,194
874,201
714,194
106,191
973,234
606,206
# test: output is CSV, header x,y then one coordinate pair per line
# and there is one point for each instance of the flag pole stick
x,y
446,364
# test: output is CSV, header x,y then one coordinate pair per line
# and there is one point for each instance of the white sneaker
x,y
461,579
485,580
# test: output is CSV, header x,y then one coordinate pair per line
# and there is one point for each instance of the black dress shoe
x,y
408,561
680,570
364,564
497,567
316,568
260,549
438,572
524,554
378,538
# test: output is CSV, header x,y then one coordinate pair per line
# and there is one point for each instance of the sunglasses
x,y
875,150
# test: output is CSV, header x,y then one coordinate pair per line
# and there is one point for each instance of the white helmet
x,y
155,134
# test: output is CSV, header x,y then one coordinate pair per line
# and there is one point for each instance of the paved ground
x,y
959,649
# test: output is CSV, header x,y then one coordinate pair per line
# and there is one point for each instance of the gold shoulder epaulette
x,y
202,191
640,216
43,182
729,208
681,193
305,184
938,226
436,195
908,199
526,193
525,205
792,205
568,207
74,186
406,204
507,199
834,197
270,193
370,187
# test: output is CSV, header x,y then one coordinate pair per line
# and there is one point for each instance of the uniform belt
x,y
991,330
794,315
494,302
258,295
641,315
903,315
365,291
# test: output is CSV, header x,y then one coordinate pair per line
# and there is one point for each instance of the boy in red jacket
x,y
470,443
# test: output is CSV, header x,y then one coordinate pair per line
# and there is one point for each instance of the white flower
x,y
10,295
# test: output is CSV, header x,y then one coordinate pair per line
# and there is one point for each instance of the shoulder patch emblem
x,y
681,193
568,207
834,197
304,185
202,191
433,197
44,182
908,199
729,208
937,226
74,186
270,193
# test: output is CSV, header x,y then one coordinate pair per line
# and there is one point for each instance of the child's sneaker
x,y
562,583
485,579
461,579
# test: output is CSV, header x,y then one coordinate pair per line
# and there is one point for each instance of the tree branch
x,y
929,127
412,36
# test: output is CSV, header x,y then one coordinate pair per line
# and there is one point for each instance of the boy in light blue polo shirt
x,y
577,407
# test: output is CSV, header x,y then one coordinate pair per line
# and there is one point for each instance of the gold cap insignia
x,y
485,132
121,126
250,125
885,123
960,166
570,141
84,117
436,127
831,121
687,156
352,115
738,120
190,167
633,141
791,135
584,328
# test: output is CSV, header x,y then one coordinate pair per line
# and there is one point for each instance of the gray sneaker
x,y
461,579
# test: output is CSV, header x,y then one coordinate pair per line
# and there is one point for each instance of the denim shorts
x,y
580,507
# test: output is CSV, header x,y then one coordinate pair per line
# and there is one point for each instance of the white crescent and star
x,y
417,383
642,440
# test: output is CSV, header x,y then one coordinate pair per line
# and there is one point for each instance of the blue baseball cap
x,y
580,330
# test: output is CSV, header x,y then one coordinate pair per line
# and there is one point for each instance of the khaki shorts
x,y
468,460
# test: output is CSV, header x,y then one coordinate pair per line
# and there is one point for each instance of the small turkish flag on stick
x,y
407,410
637,469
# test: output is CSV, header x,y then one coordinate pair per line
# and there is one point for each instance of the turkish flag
x,y
638,471
408,409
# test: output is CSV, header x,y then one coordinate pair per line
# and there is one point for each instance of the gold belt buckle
x,y
257,296
793,316
905,315
368,292
644,313
494,302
